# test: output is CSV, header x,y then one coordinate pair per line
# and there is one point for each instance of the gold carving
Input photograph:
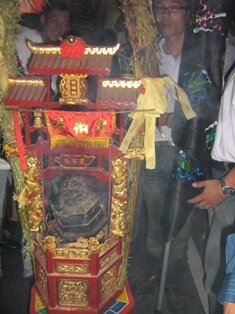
x,y
32,193
37,119
133,176
42,279
73,293
10,151
72,253
91,244
50,243
109,243
81,249
73,89
58,123
106,260
119,224
135,153
77,269
81,128
101,125
108,283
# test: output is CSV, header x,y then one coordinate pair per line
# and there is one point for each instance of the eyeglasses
x,y
170,9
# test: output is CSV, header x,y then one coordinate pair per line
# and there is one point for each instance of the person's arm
x,y
212,195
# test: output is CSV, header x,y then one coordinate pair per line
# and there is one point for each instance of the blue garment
x,y
227,293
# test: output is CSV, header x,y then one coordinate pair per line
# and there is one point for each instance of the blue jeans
x,y
152,192
222,224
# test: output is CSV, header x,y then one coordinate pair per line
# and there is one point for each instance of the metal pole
x,y
163,276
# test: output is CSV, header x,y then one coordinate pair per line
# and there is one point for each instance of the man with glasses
x,y
180,54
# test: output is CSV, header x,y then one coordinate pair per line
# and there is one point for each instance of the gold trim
x,y
72,269
134,167
121,83
101,50
91,245
42,49
25,82
73,101
72,253
33,194
119,197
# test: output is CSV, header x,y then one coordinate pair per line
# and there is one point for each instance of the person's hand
x,y
210,197
229,308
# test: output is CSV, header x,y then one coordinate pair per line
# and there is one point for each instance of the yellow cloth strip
x,y
154,102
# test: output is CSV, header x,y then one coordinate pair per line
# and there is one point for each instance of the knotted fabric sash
x,y
150,105
81,129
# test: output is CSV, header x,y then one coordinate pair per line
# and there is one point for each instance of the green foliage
x,y
9,13
8,30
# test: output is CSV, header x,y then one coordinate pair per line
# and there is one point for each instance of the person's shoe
x,y
146,283
175,299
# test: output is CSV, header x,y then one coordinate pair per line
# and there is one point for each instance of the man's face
x,y
171,16
56,24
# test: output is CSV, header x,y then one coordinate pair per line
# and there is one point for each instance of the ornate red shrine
x,y
80,190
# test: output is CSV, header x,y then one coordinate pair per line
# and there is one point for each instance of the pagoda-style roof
x,y
26,92
113,94
50,60
117,94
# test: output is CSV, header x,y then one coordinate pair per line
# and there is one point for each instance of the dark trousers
x,y
152,193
